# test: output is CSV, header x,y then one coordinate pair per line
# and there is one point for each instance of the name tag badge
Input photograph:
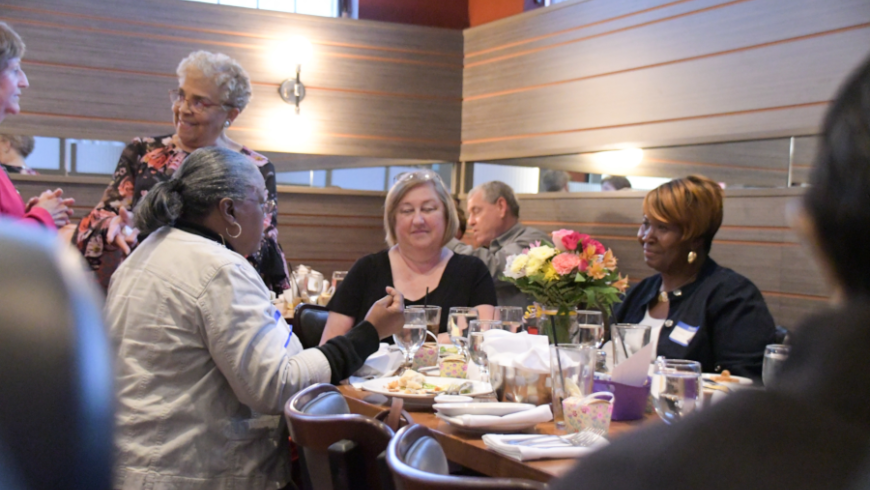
x,y
683,334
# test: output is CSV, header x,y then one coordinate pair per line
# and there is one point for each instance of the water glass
x,y
475,343
433,317
591,328
457,325
337,277
676,388
774,357
572,370
412,335
313,286
511,318
627,339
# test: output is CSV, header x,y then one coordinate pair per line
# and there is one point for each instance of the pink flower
x,y
566,262
566,240
599,248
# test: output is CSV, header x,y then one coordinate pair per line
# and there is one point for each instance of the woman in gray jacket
x,y
204,362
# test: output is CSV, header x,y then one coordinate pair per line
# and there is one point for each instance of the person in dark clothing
x,y
698,310
812,430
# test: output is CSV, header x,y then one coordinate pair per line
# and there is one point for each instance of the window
x,y
322,8
362,178
523,180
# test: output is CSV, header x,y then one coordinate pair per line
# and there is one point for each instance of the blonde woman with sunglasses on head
x,y
213,90
419,219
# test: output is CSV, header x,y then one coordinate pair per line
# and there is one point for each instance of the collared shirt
x,y
495,256
721,318
203,368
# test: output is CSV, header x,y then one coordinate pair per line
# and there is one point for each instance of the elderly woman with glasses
x,y
419,219
212,90
204,362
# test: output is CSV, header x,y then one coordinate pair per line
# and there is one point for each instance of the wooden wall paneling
x,y
374,89
608,91
805,148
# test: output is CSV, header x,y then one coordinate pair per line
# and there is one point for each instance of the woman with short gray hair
x,y
204,361
213,89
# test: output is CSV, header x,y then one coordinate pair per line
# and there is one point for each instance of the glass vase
x,y
560,327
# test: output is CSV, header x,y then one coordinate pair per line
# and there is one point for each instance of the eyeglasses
x,y
421,175
269,206
196,103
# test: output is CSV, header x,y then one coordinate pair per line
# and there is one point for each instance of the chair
x,y
418,463
56,419
339,449
308,323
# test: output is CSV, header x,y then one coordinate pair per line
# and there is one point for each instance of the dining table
x,y
468,449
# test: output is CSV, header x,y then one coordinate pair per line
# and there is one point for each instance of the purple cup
x,y
629,401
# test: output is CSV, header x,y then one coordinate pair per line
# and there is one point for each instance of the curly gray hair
x,y
11,45
223,71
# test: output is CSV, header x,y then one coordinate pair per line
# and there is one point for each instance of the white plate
x,y
741,381
483,408
379,385
500,428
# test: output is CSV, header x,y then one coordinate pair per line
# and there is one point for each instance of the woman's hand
x,y
57,207
121,231
388,313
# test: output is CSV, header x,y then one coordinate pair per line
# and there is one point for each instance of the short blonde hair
x,y
224,72
405,184
11,45
693,203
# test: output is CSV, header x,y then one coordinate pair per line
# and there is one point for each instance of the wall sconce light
x,y
618,161
292,91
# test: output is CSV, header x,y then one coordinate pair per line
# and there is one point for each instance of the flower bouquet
x,y
575,270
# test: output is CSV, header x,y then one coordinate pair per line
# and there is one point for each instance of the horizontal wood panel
x,y
375,89
655,74
754,240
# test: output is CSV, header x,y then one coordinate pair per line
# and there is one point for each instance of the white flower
x,y
514,266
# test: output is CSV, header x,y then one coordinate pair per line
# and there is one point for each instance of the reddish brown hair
x,y
693,203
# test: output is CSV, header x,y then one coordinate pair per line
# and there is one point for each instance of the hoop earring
x,y
237,234
691,258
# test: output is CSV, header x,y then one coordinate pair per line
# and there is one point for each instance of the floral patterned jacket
x,y
144,163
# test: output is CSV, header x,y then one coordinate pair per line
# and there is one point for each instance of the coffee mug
x,y
589,412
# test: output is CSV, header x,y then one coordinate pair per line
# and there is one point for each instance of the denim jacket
x,y
722,310
204,367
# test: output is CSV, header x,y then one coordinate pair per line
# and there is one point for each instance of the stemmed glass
x,y
511,318
591,331
457,324
412,335
475,343
676,388
314,286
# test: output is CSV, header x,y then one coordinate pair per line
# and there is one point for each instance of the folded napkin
x,y
384,362
500,444
517,350
633,371
536,415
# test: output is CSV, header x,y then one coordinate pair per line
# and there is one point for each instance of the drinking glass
x,y
337,277
676,388
313,286
774,357
628,338
412,335
433,317
457,325
475,343
572,371
591,328
511,318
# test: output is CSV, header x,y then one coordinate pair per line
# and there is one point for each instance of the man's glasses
x,y
194,102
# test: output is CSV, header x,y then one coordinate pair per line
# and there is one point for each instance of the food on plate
x,y
460,388
725,377
413,383
446,350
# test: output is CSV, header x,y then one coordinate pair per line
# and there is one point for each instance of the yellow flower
x,y
515,267
596,270
609,259
537,258
550,273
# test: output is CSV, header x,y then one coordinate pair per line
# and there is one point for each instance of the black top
x,y
732,320
465,282
810,432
